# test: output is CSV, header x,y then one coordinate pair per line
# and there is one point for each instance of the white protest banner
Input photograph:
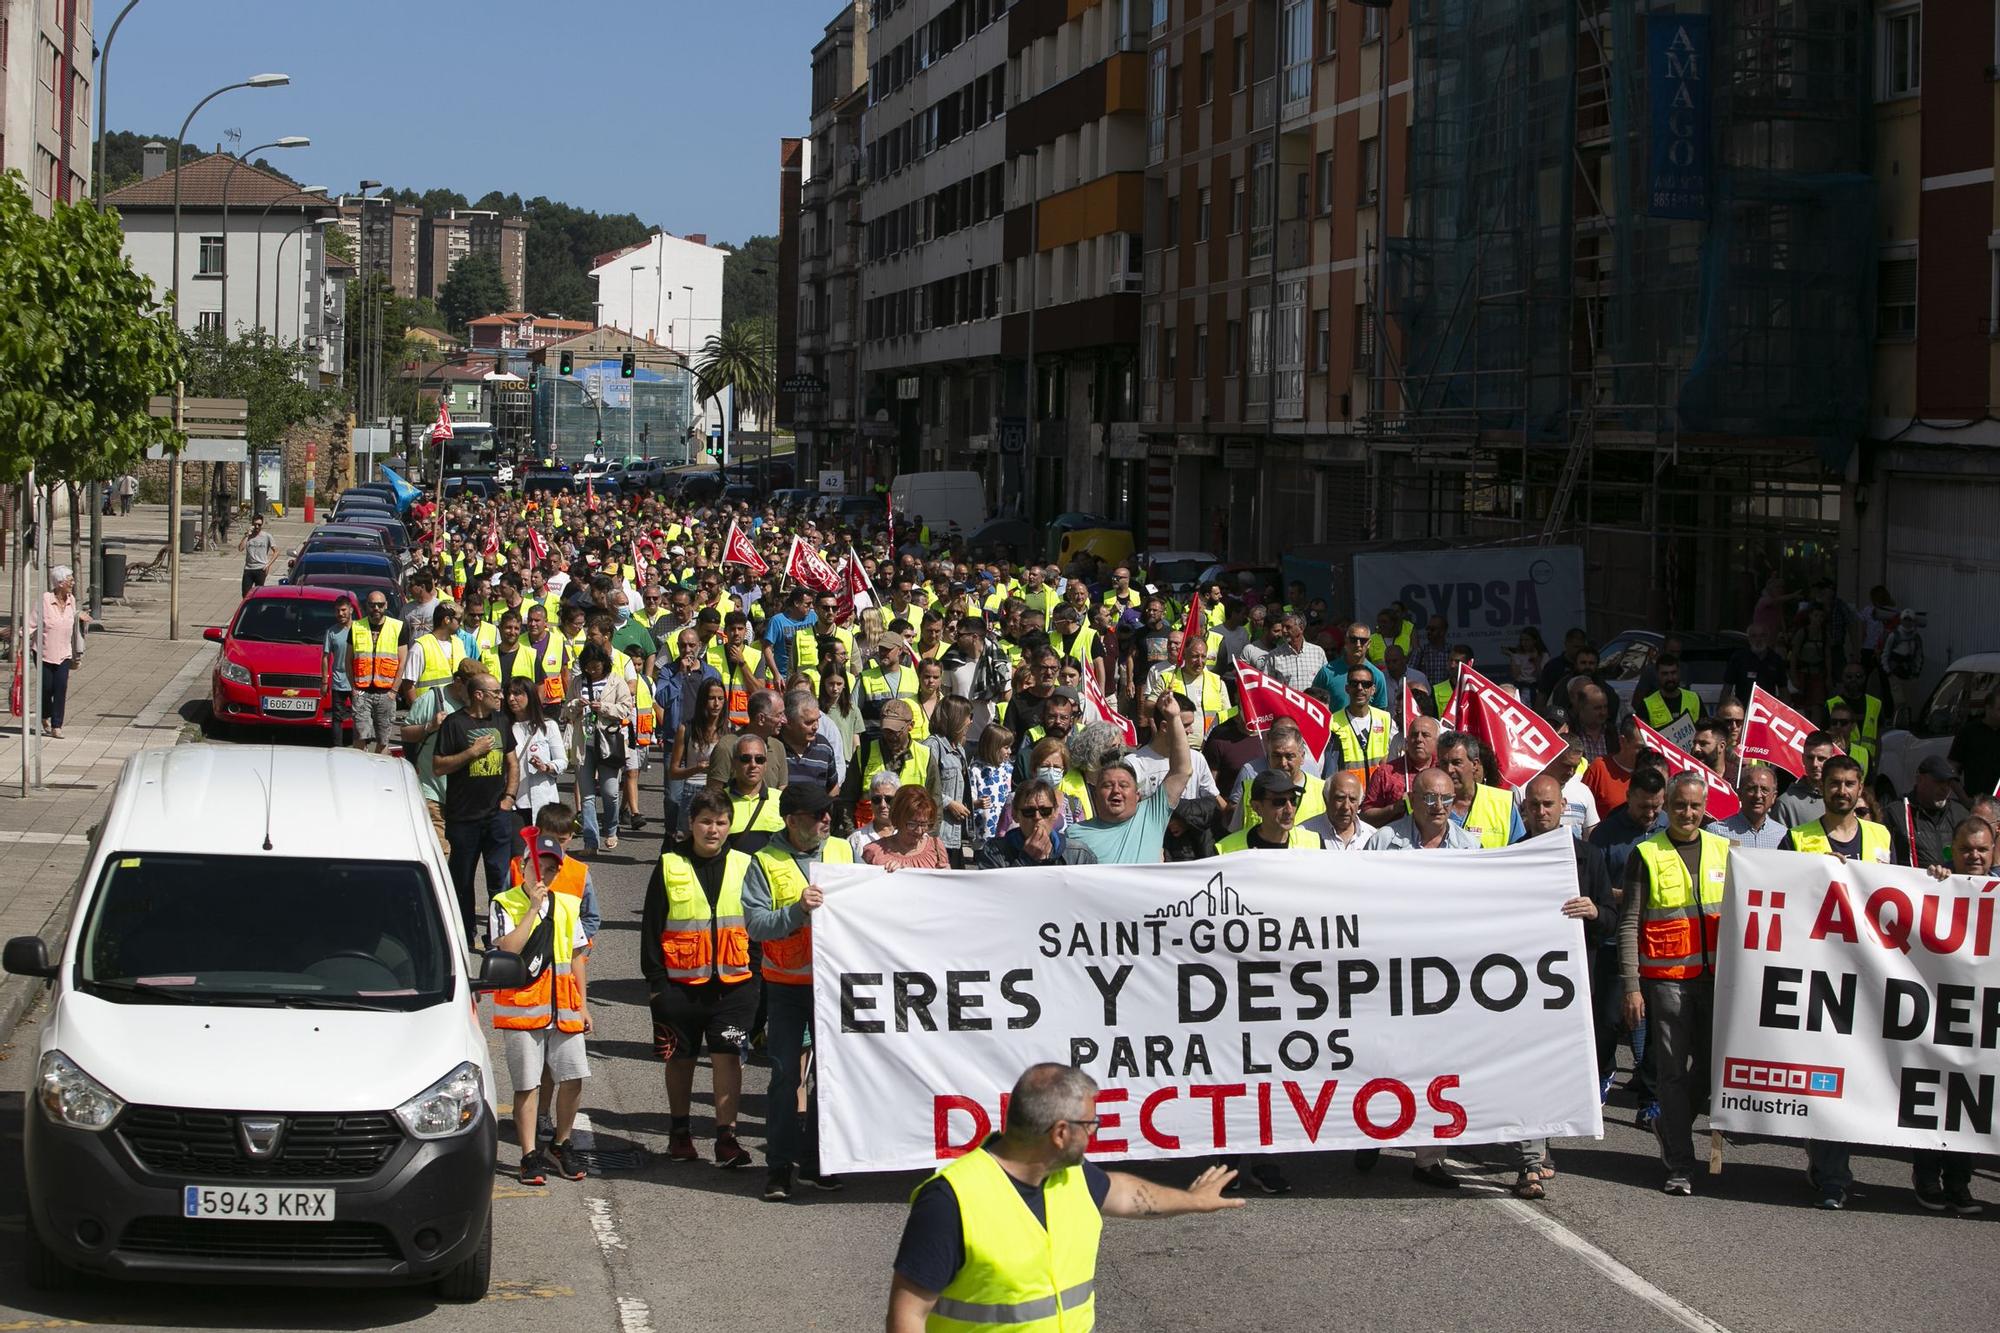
x,y
1485,595
1856,1003
1260,1002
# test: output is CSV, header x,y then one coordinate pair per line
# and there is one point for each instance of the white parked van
x,y
263,1059
941,499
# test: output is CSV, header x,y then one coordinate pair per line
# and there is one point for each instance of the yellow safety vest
x,y
552,672
1679,921
556,996
1020,1275
376,660
521,668
440,659
916,767
1377,649
645,717
1867,727
875,683
1355,757
1079,648
788,961
699,945
1239,841
755,814
1875,844
1660,715
1491,817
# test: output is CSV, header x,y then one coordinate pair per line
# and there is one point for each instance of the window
x,y
1236,206
1174,91
1156,104
1159,14
1323,172
1896,298
209,321
1329,21
1364,337
1371,156
1170,354
1371,24
1232,347
1322,340
1202,204
1296,28
1173,220
1901,40
211,257
1207,77
1240,52
1201,351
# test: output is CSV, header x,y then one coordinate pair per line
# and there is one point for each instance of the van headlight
x,y
235,672
71,1097
447,1106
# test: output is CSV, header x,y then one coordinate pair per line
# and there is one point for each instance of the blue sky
x,y
669,109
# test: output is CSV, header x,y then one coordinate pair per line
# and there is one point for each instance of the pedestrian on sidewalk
x,y
475,756
128,486
260,550
59,644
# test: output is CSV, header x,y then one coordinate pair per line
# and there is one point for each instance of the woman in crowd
x,y
949,777
539,745
912,846
599,712
694,743
882,821
836,702
930,692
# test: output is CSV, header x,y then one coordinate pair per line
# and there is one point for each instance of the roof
x,y
201,187
212,799
335,264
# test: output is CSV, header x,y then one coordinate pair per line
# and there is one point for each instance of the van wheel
x,y
45,1272
468,1282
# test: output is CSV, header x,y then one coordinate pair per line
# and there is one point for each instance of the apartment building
x,y
386,238
1927,479
476,231
47,112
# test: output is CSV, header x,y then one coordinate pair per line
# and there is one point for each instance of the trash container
x,y
114,575
190,533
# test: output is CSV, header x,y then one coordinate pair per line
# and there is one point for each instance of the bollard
x,y
311,449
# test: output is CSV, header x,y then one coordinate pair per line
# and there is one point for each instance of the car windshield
x,y
285,620
278,931
1959,697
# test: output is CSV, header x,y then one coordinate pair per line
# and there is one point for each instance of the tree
x,y
743,357
338,244
84,342
279,380
746,293
475,288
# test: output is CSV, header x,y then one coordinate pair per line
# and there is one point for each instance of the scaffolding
x,y
1676,395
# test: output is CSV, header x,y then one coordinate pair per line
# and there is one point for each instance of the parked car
x,y
1176,572
272,667
234,1083
1704,658
793,498
395,537
348,561
1958,697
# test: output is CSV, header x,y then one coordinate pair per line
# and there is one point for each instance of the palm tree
x,y
743,357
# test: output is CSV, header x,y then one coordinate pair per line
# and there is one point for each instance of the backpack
x,y
1903,653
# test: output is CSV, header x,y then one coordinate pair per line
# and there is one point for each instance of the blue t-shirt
x,y
1333,679
1140,840
780,631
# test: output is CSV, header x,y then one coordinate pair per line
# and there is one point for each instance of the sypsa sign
x,y
1487,595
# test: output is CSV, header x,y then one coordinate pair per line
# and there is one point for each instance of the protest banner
x,y
1263,1002
1856,1003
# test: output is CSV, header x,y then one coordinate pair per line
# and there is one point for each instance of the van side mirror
x,y
213,634
28,956
497,971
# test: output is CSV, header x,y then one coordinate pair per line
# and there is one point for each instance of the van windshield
x,y
277,931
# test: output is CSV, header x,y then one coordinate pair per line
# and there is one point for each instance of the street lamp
x,y
257,305
289,141
363,398
180,384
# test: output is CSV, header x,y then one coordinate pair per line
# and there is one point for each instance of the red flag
x,y
1775,732
1410,710
1196,628
854,590
442,430
1096,708
590,492
538,549
1453,713
1522,743
492,545
737,550
1722,802
1266,697
806,566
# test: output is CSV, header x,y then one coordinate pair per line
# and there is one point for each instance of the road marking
x,y
603,1226
1562,1237
45,839
634,1315
502,1192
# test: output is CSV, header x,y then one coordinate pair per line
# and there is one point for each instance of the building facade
x,y
386,238
666,289
453,235
519,329
48,110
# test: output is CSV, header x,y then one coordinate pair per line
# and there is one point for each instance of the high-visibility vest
x,y
1357,758
920,724
1130,600
1041,599
1661,715
376,660
697,945
1679,920
755,814
1239,841
1214,701
1490,817
1019,1275
1215,613
1311,804
1875,844
1075,792
916,767
1441,696
1862,753
805,649
788,961
552,670
1079,648
485,635
875,683
645,719
1868,726
520,664
555,997
736,683
1377,649
439,659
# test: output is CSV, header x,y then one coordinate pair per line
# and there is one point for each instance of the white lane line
x,y
580,1133
1562,1237
634,1315
604,1227
45,839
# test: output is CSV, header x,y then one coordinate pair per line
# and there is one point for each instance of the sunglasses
x,y
1357,638
1037,811
1433,800
749,758
1293,799
378,606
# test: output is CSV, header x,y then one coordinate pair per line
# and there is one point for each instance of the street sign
x,y
208,449
213,418
1013,434
832,482
802,384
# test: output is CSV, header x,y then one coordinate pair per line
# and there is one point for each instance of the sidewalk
x,y
125,697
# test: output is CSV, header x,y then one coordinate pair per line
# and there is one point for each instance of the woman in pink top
x,y
912,846
55,644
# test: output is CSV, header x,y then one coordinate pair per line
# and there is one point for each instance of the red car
x,y
272,669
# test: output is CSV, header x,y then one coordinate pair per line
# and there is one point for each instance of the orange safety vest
x,y
556,996
697,944
568,879
552,670
375,658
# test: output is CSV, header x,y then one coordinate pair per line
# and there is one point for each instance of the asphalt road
x,y
650,1245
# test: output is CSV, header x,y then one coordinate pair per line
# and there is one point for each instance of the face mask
x,y
1052,776
624,613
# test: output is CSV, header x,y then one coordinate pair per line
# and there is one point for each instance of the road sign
x,y
214,418
832,482
802,384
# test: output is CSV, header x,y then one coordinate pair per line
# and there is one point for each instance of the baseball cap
x,y
1937,766
708,615
1273,783
1067,692
896,641
897,715
803,798
543,847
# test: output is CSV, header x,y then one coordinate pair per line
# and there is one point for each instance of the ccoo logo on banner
x,y
1856,1003
1264,1002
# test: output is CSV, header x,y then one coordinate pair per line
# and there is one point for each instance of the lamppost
x,y
289,141
257,305
180,384
361,399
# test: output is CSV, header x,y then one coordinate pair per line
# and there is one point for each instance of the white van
x,y
941,499
263,1057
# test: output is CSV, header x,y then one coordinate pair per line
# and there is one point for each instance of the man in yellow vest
x,y
1275,797
1006,1235
1487,813
1362,730
1840,720
509,657
1670,917
435,655
779,899
377,666
543,1024
1194,680
1671,710
1391,627
1866,707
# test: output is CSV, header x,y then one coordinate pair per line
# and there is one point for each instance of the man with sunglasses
x,y
1332,677
377,657
1034,840
1274,795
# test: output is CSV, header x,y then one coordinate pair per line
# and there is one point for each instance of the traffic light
x,y
568,363
628,367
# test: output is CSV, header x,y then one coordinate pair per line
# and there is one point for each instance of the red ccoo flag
x,y
1722,801
807,567
1522,743
1195,629
442,430
1410,710
857,594
1775,732
737,550
1266,697
538,549
1096,708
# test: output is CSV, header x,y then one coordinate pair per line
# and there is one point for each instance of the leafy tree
x,y
339,244
83,340
746,293
743,357
279,380
475,288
